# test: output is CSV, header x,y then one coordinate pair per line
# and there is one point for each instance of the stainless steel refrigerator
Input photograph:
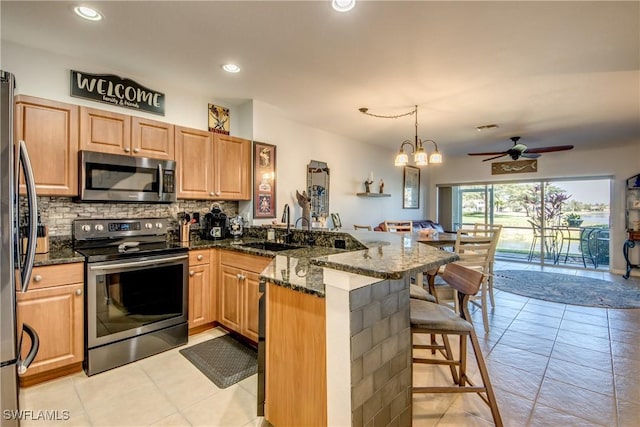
x,y
15,267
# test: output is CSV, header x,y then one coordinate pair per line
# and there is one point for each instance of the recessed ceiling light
x,y
87,13
231,68
343,5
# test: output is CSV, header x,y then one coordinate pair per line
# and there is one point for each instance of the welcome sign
x,y
114,90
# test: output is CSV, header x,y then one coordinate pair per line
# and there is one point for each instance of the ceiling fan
x,y
521,150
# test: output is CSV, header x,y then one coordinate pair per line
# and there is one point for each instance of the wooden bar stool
x,y
436,319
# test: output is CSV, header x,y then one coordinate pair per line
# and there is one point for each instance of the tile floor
x,y
551,365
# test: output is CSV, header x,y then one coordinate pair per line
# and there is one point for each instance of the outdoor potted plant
x,y
573,219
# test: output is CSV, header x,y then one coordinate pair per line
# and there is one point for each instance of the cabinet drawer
x,y
56,275
244,262
199,257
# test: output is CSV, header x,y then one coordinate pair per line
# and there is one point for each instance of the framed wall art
x,y
218,119
411,188
264,180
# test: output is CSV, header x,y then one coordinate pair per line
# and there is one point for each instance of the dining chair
x,y
476,248
438,320
398,226
362,227
496,229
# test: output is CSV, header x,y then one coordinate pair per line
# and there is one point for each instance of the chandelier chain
x,y
366,111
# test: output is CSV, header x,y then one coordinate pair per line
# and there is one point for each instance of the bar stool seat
x,y
438,320
420,293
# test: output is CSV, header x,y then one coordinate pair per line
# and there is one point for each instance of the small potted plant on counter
x,y
573,219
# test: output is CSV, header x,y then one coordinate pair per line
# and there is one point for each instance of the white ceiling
x,y
551,72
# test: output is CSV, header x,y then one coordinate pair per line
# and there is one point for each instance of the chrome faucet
x,y
303,219
286,217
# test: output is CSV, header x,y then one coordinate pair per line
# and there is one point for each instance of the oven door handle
x,y
137,263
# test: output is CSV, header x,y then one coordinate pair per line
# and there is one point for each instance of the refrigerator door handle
x,y
33,351
32,228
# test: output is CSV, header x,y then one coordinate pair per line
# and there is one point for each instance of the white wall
x,y
621,162
46,75
350,163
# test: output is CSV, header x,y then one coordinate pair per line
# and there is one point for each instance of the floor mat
x,y
224,360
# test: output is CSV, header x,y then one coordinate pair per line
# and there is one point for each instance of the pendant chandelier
x,y
420,157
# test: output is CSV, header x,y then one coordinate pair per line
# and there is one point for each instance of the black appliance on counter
x,y
136,290
215,225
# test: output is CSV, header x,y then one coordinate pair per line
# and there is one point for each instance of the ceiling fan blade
x,y
493,153
495,157
528,155
549,149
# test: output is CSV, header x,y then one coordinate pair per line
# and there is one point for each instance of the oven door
x,y
134,296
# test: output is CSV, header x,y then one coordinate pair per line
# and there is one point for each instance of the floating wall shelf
x,y
373,195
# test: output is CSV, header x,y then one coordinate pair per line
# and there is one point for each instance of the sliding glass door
x,y
557,222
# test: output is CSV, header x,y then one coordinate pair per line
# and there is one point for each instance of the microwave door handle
x,y
32,228
160,182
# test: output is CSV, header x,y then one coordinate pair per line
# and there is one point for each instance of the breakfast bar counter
x,y
338,336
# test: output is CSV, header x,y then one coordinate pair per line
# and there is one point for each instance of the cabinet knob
x,y
136,150
212,194
126,150
78,292
217,193
200,257
191,273
37,278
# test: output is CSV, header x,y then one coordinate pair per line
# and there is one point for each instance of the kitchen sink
x,y
269,246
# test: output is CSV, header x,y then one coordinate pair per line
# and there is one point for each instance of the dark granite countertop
x,y
60,252
373,254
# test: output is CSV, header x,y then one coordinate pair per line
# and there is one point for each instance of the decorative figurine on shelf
x,y
305,203
367,185
381,186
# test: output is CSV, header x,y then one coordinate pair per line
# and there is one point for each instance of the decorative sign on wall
x,y
218,119
264,180
114,90
521,166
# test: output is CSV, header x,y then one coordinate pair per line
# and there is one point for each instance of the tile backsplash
x,y
59,212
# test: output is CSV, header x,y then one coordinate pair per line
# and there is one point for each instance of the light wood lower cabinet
x,y
239,294
54,307
296,367
202,289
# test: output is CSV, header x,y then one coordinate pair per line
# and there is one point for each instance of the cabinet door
x,y
199,295
150,138
232,157
50,130
250,297
105,131
56,314
230,294
194,156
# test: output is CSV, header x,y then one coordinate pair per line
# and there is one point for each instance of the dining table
x,y
438,239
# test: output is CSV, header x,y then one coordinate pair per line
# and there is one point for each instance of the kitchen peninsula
x,y
338,337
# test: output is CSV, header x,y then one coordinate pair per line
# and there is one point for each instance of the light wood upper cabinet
x,y
115,133
54,307
194,154
50,130
212,166
150,138
105,131
232,166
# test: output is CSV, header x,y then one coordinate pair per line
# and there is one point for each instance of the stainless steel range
x,y
136,290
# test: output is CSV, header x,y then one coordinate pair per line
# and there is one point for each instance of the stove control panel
x,y
90,229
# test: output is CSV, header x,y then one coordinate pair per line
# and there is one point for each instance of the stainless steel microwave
x,y
117,178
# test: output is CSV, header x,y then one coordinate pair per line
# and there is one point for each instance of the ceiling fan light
x,y
343,5
435,157
420,157
402,159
